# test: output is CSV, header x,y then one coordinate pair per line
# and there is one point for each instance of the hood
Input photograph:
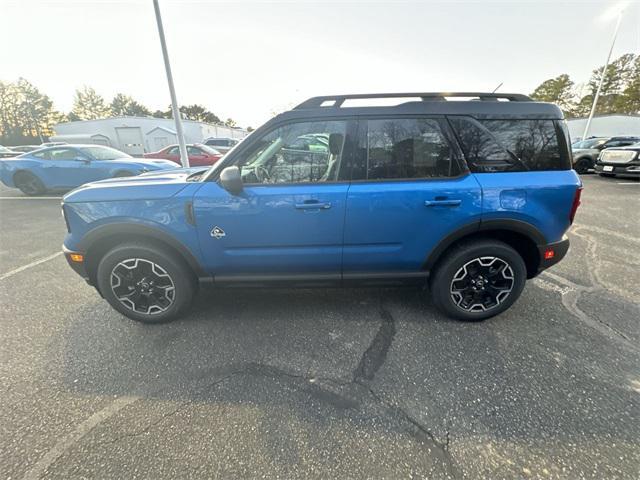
x,y
149,186
583,150
149,163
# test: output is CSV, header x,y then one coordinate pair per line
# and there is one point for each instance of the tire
x,y
29,184
123,174
161,285
607,175
451,284
583,165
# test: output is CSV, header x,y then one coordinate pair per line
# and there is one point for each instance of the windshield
x,y
105,153
591,143
209,150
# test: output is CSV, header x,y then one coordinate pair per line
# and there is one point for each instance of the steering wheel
x,y
262,174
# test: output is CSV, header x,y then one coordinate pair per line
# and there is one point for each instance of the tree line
x,y
27,115
620,91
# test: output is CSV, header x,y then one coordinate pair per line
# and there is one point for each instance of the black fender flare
x,y
129,229
479,226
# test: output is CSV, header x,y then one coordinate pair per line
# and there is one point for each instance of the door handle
x,y
313,205
442,203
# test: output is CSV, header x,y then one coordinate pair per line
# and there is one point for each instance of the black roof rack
x,y
338,100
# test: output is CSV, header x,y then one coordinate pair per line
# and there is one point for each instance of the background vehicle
x,y
223,145
585,152
25,148
6,152
68,166
198,154
619,161
468,197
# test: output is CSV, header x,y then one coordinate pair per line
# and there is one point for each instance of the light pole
x,y
603,75
184,157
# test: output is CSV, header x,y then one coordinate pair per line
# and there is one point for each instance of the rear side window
x,y
404,149
510,145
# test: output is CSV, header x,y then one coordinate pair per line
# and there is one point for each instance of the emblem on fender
x,y
217,233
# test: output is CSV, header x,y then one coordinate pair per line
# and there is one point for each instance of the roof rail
x,y
338,100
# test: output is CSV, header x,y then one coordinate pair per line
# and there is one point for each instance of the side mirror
x,y
231,180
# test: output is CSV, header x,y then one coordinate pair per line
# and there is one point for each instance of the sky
x,y
249,60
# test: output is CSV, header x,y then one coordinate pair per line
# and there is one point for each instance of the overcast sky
x,y
248,60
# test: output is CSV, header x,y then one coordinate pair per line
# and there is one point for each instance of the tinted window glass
x,y
64,154
407,148
296,153
510,145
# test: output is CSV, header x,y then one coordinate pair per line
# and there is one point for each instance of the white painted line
x,y
628,183
30,198
80,431
29,265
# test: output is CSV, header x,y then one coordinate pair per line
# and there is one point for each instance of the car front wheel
x,y
477,280
145,283
29,184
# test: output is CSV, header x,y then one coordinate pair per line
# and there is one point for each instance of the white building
x,y
137,135
605,126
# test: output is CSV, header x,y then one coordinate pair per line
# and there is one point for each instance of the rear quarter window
x,y
511,145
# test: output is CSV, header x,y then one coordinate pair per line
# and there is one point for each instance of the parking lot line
x,y
29,265
80,431
30,198
628,183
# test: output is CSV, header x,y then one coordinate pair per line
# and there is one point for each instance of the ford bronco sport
x,y
467,194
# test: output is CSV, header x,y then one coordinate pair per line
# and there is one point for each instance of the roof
x,y
436,103
159,127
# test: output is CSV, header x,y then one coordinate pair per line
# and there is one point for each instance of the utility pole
x,y
604,74
184,157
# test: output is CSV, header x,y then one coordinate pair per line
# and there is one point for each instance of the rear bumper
x,y
552,253
78,267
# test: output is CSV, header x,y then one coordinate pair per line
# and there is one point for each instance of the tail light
x,y
576,204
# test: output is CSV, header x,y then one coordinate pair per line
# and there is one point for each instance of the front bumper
x,y
628,169
552,253
78,267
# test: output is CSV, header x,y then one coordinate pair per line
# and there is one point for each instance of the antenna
x,y
496,89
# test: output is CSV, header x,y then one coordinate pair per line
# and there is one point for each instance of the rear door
x,y
408,192
288,220
524,168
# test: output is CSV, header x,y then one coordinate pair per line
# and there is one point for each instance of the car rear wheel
x,y
477,280
583,165
145,283
29,184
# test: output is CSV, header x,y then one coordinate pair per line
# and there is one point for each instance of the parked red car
x,y
198,154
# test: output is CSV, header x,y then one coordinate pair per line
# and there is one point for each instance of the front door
x,y
408,192
288,221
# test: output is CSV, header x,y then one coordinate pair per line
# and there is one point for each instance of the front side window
x,y
105,153
406,149
306,152
64,154
512,145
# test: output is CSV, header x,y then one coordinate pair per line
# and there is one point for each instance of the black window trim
x,y
447,132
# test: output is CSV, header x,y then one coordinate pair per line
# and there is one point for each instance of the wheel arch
x,y
99,241
523,237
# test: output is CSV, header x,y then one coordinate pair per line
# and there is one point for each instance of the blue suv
x,y
467,194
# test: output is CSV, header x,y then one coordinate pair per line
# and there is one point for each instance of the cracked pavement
x,y
325,383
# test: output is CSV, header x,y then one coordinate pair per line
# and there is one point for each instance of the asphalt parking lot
x,y
324,383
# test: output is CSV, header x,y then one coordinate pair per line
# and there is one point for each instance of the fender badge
x,y
217,233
